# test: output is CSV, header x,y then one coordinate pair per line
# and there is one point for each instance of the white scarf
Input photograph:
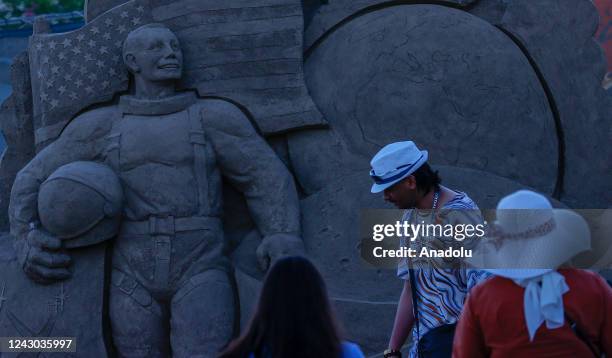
x,y
543,298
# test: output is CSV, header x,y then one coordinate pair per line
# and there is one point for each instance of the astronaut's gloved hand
x,y
276,246
42,258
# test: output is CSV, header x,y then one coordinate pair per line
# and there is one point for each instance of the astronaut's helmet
x,y
81,203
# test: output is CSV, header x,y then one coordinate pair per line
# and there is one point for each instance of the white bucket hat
x,y
395,162
533,235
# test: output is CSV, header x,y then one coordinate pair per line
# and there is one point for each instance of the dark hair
x,y
427,179
293,317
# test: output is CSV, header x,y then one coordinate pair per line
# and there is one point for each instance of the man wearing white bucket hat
x,y
401,172
545,309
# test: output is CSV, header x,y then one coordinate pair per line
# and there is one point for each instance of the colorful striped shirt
x,y
440,291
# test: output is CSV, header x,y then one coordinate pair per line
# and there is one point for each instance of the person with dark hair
x,y
432,298
426,179
293,318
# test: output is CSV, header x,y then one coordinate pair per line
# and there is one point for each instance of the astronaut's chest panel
x,y
155,140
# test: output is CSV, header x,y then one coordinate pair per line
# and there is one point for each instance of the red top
x,y
493,324
604,33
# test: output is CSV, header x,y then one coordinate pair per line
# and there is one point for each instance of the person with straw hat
x,y
432,297
535,305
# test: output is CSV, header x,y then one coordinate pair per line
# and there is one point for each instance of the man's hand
x,y
276,246
42,258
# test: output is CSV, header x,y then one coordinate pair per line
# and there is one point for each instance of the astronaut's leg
x,y
138,322
202,315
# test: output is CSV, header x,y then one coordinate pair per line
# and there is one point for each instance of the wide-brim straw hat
x,y
530,234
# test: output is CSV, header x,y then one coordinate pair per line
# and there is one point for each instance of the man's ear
x,y
411,182
130,63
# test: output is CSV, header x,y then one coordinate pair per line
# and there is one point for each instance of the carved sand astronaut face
x,y
153,53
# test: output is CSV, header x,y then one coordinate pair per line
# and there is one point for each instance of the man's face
x,y
157,56
402,194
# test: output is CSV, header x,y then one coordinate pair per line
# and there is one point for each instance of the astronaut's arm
x,y
77,142
249,163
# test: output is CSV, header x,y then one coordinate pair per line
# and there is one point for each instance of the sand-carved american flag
x,y
74,70
247,51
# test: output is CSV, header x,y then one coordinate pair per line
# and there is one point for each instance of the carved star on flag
x,y
76,50
73,96
88,57
100,63
107,36
44,97
140,8
61,56
67,77
136,21
78,83
62,89
89,89
105,84
92,77
55,70
108,22
39,46
67,42
54,103
103,50
124,15
121,29
45,60
52,44
94,30
91,43
80,37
